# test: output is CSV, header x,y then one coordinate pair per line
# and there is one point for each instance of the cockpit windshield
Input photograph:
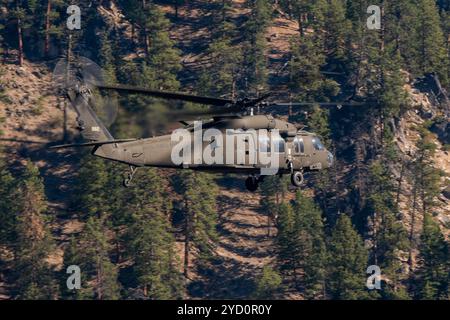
x,y
317,144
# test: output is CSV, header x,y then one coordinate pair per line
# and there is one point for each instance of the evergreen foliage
x,y
347,262
268,284
33,244
150,240
200,215
91,252
433,273
301,245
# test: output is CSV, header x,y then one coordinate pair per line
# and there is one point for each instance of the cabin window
x,y
264,143
299,145
317,144
279,144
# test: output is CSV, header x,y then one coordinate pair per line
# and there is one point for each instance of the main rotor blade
x,y
322,104
22,141
186,114
338,105
168,95
254,102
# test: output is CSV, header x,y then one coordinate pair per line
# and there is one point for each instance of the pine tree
x,y
388,234
309,14
286,240
7,205
255,62
2,44
163,58
425,184
445,18
150,240
44,23
22,17
200,216
54,25
273,191
301,248
268,284
100,204
305,79
107,55
399,27
430,55
347,262
33,244
91,195
428,176
310,249
220,76
336,29
91,253
156,69
434,270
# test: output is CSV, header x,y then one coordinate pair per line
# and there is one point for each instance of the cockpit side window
x,y
317,144
299,145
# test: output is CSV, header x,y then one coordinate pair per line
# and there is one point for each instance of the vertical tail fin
x,y
91,127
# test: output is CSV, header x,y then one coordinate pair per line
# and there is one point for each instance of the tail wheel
x,y
297,179
251,184
127,183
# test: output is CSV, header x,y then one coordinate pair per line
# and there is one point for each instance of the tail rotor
x,y
80,77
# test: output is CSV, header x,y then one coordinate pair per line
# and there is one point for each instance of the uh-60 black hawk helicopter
x,y
293,150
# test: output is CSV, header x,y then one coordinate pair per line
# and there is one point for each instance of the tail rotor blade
x,y
83,72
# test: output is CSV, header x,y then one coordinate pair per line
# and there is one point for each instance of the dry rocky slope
x,y
34,113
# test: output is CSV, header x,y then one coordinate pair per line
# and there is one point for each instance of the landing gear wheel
x,y
251,184
127,182
297,179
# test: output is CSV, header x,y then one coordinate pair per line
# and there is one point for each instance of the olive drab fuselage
x,y
296,150
255,145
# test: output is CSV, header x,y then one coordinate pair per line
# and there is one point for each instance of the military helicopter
x,y
293,150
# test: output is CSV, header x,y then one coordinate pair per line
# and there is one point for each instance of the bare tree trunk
x,y
187,236
69,60
233,90
145,290
19,36
300,26
375,238
133,33
47,29
118,255
144,29
382,31
400,184
99,279
411,230
5,54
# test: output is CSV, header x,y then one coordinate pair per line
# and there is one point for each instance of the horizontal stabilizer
x,y
91,144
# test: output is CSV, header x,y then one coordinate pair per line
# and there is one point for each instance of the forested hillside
x,y
182,234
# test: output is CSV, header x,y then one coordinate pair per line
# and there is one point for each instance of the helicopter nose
x,y
330,159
